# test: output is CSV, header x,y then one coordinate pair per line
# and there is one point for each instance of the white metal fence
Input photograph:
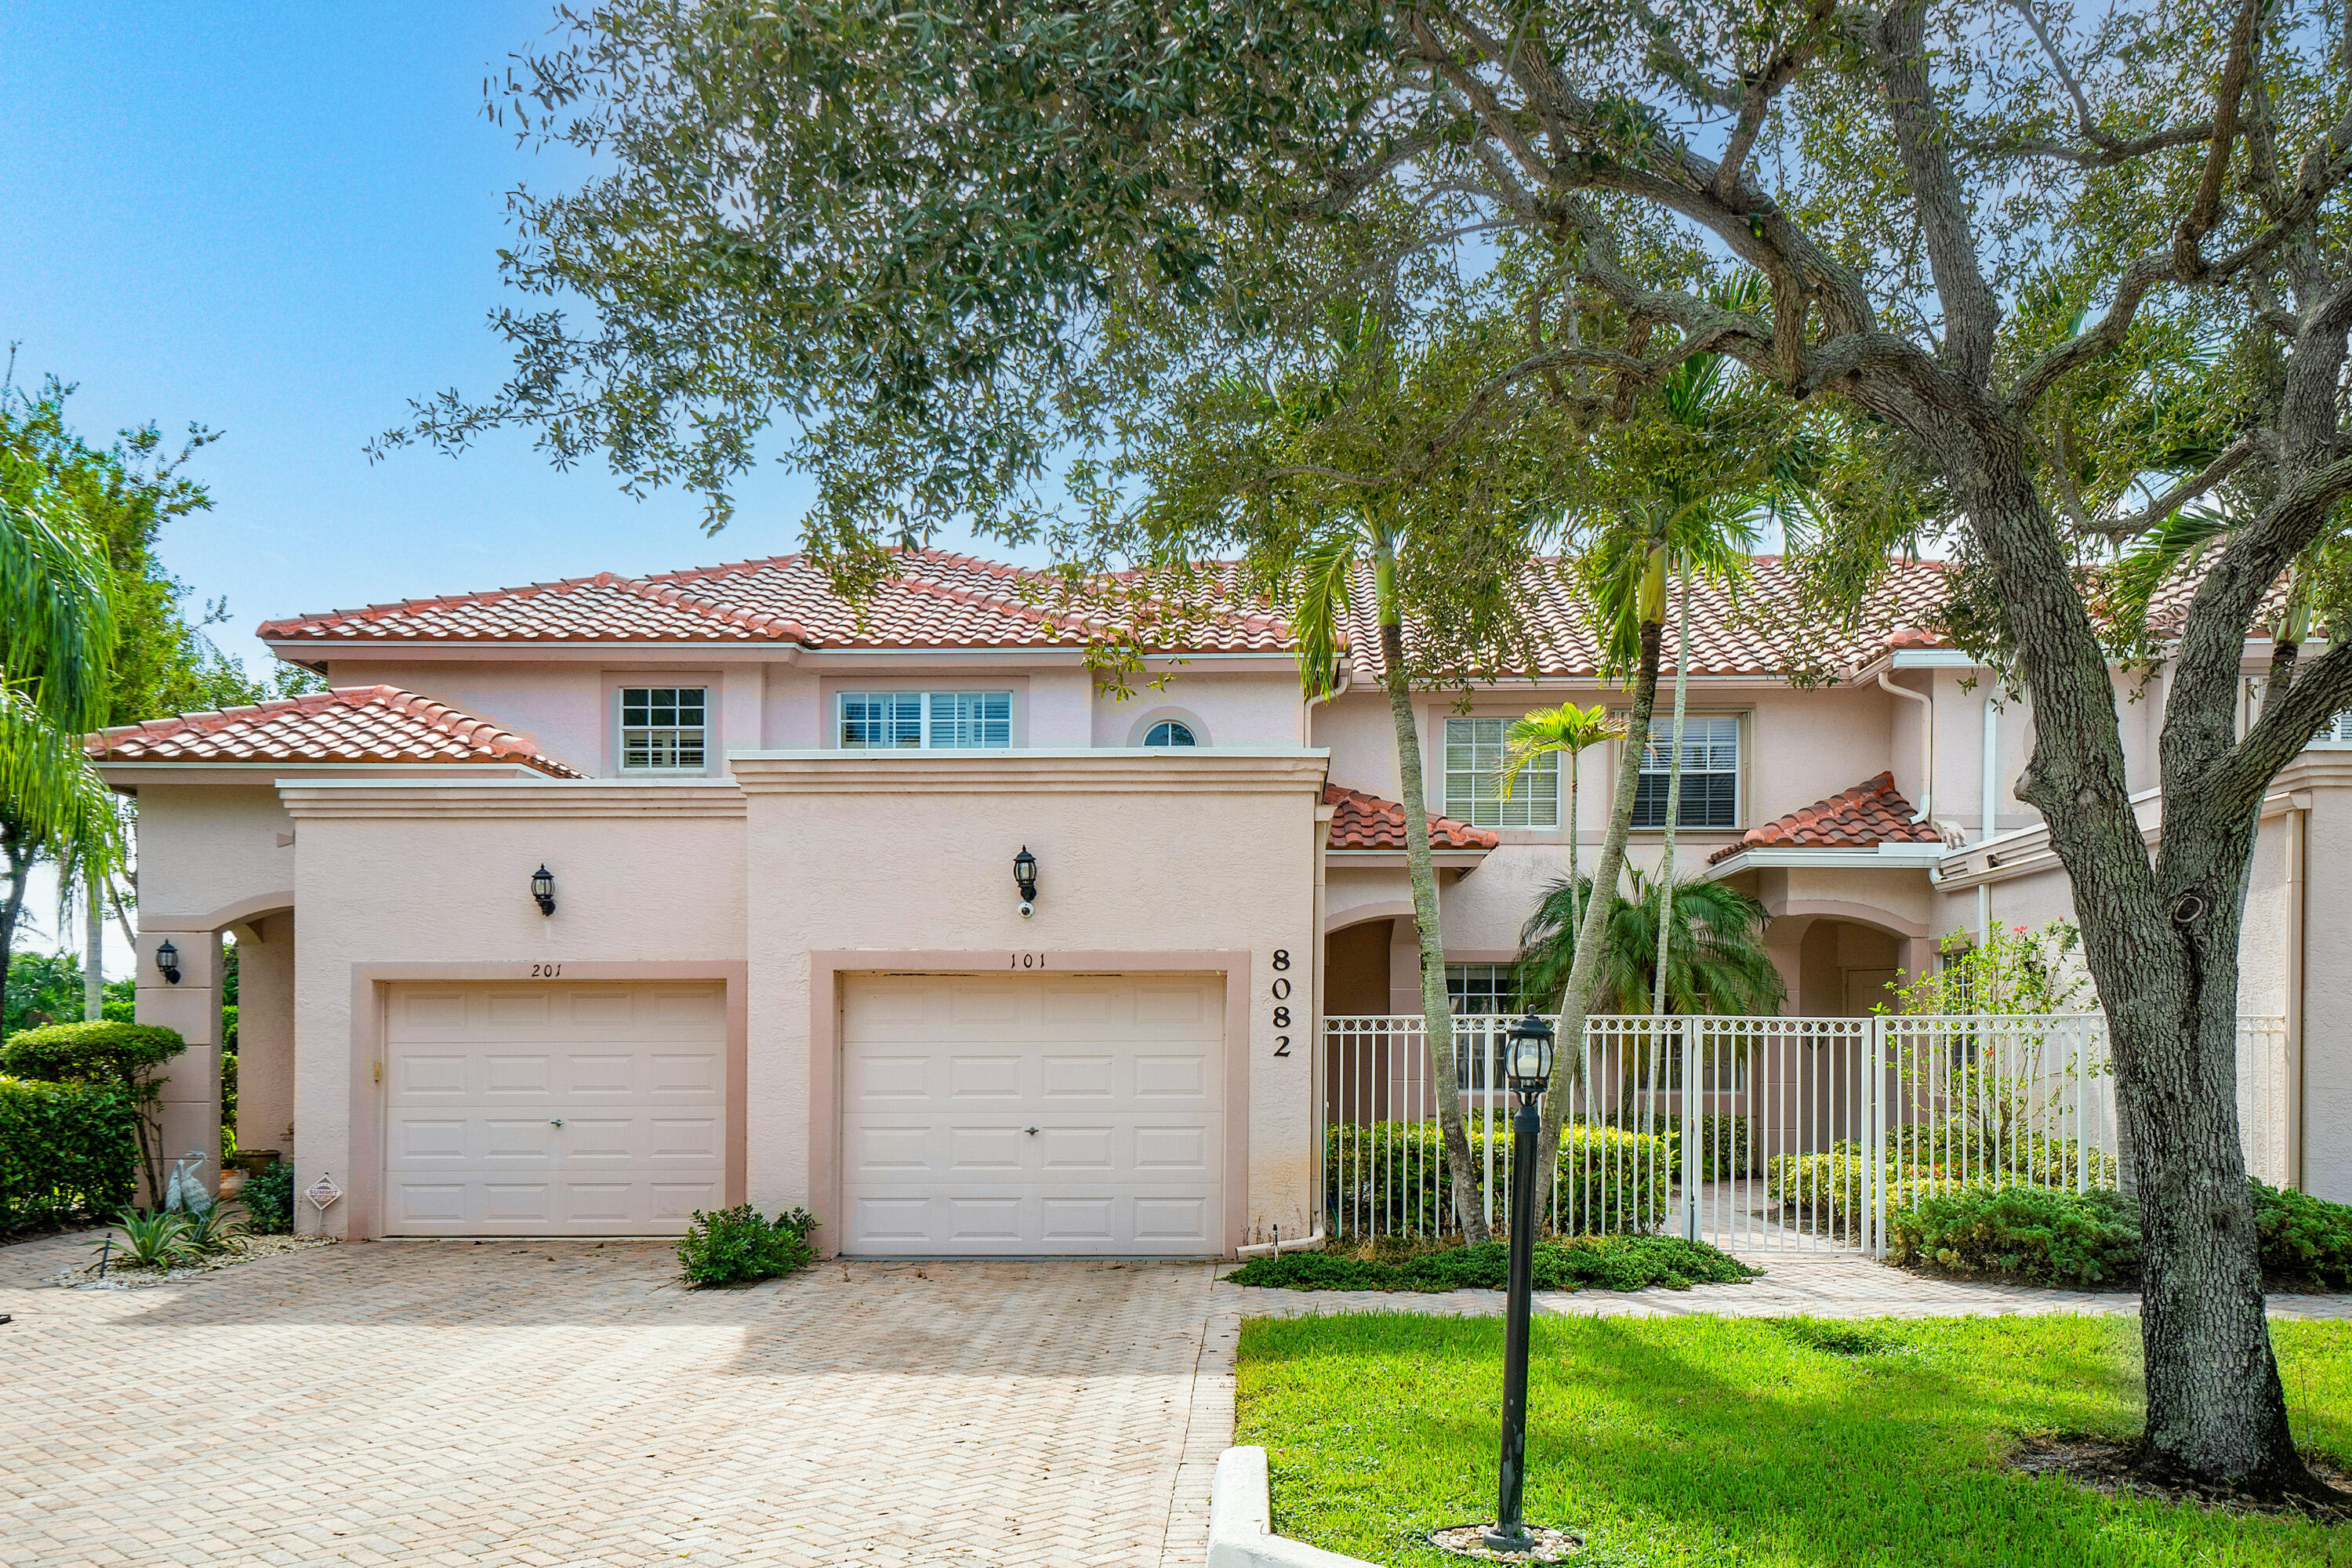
x,y
1758,1135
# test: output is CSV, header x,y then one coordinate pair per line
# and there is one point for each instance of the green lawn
x,y
1717,1440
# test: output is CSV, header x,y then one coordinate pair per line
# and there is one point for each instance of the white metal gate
x,y
1758,1134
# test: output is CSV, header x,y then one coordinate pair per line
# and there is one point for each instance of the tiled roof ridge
x,y
1368,821
283,625
1859,816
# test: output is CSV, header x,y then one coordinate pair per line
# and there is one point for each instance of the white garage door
x,y
562,1109
1029,1114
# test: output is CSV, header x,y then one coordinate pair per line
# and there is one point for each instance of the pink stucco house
x,y
783,955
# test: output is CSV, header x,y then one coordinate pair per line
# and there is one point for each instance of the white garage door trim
x,y
587,1108
1032,1115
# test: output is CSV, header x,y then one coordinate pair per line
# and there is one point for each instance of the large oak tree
x,y
2067,274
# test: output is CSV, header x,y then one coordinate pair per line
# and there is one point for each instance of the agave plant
x,y
213,1228
156,1239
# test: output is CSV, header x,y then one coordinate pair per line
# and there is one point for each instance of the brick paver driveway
x,y
556,1404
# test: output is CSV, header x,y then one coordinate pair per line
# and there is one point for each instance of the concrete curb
x,y
1241,1522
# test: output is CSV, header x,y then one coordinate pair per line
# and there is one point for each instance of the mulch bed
x,y
2105,1464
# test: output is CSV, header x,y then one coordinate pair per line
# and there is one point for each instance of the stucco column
x,y
190,1111
265,1035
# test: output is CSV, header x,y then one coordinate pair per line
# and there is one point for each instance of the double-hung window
x,y
937,720
1710,794
664,729
1474,749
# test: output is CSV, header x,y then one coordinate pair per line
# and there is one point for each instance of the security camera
x,y
1027,909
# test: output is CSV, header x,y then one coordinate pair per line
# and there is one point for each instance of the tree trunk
x,y
19,858
2161,942
1568,1058
93,959
1436,1007
1575,831
1673,818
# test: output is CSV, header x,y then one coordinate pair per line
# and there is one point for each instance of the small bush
x,y
1392,1175
734,1246
118,1054
68,1152
2035,1234
268,1199
2302,1237
1604,1262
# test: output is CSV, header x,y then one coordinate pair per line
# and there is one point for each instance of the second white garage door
x,y
562,1110
1023,1115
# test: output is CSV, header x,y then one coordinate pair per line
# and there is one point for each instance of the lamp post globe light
x,y
1527,1052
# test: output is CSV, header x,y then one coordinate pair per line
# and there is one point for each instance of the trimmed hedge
x,y
1825,1187
2048,1236
68,1152
1602,1262
2039,1234
1392,1176
101,1052
268,1199
2304,1237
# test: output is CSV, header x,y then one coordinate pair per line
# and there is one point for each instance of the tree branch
x,y
2322,689
1972,315
2186,257
2182,493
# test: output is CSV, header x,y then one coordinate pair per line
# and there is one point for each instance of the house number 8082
x,y
1281,990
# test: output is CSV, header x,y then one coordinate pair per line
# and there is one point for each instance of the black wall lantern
x,y
542,888
1025,877
167,958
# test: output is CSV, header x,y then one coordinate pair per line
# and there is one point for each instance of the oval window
x,y
1170,732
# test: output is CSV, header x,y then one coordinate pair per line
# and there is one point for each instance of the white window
x,y
1170,732
1473,786
1481,988
882,720
1710,796
2339,732
663,728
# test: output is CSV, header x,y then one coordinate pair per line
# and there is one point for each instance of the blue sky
x,y
280,221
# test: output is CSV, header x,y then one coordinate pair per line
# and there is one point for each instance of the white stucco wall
x,y
1140,857
435,879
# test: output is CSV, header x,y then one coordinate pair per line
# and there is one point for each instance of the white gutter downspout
x,y
1927,744
1307,714
1991,811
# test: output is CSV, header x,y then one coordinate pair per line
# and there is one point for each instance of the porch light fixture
x,y
542,889
1528,1054
1025,877
167,960
1527,1051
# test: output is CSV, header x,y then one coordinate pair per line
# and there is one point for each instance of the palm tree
x,y
1323,608
1565,730
56,645
1715,959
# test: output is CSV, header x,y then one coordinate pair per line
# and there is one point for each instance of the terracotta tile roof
x,y
1872,813
940,600
943,600
348,724
1757,634
1367,822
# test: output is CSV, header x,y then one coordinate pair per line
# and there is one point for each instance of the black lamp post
x,y
542,889
1528,1058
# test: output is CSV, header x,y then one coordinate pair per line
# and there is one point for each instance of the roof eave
x,y
1823,857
